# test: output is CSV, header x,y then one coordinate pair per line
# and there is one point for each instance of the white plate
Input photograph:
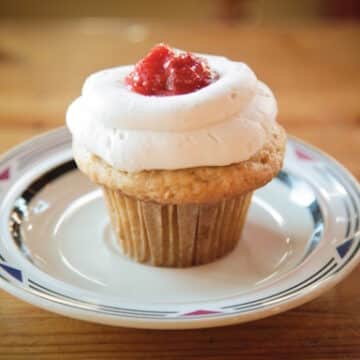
x,y
57,250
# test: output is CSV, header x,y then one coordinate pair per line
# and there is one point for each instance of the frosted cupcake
x,y
179,143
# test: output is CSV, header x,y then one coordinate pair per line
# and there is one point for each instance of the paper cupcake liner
x,y
176,235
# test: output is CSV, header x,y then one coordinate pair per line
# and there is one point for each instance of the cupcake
x,y
179,143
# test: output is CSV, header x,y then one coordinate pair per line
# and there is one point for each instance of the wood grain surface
x,y
314,70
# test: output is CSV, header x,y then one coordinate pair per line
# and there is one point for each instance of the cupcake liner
x,y
176,235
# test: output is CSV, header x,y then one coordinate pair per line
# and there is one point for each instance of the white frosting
x,y
223,123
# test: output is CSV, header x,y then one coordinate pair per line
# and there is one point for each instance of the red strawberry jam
x,y
164,72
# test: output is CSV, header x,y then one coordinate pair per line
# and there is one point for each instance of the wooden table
x,y
315,72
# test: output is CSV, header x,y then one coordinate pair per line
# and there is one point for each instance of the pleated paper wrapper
x,y
176,235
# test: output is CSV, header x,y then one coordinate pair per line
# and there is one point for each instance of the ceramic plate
x,y
58,252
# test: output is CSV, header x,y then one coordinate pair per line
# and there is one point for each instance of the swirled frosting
x,y
223,123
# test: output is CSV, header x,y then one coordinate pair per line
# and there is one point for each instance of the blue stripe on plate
x,y
284,292
350,190
95,309
36,286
